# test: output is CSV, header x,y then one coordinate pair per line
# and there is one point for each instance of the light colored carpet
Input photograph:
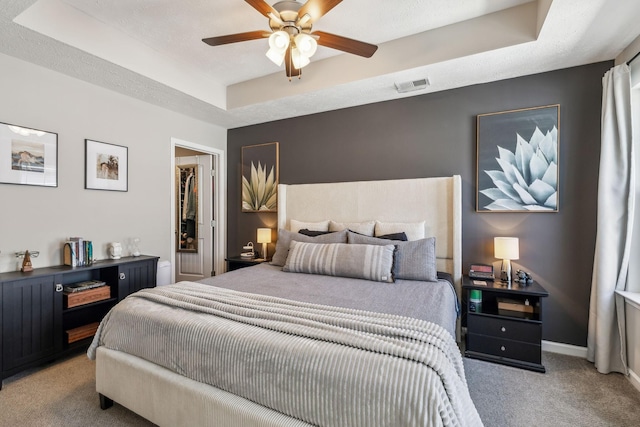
x,y
571,393
62,394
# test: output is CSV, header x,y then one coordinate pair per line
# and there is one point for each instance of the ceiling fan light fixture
x,y
275,57
279,41
278,44
299,60
306,44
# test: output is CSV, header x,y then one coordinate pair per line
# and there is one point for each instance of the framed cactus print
x,y
517,160
260,178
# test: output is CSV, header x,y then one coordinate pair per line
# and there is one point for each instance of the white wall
x,y
632,313
40,218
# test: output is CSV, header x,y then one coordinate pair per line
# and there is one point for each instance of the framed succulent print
x,y
260,166
517,160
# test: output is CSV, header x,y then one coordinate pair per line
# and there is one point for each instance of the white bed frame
x,y
166,398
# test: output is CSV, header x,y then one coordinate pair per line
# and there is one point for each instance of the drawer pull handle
x,y
122,276
502,348
503,329
58,287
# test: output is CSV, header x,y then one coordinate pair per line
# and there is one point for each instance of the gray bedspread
x,y
328,366
431,301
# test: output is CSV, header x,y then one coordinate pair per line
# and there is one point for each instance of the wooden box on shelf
x,y
511,305
79,333
75,299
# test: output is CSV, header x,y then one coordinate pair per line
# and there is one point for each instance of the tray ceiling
x,y
152,49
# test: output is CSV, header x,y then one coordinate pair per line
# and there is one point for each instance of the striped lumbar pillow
x,y
368,262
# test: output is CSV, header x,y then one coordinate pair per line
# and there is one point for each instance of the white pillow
x,y
365,228
413,230
296,226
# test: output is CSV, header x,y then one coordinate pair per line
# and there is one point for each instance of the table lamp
x,y
264,237
506,248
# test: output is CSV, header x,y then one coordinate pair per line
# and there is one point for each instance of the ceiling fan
x,y
291,40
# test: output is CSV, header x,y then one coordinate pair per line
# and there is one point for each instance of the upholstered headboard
x,y
437,201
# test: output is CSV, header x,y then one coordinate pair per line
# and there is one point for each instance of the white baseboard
x,y
634,379
566,349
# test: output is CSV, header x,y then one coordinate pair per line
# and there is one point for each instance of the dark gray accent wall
x,y
435,135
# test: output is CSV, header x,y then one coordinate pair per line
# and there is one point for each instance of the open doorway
x,y
197,211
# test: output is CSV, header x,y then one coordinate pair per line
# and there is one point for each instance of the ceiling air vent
x,y
411,86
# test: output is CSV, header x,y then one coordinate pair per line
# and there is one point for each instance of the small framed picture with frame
x,y
106,166
28,156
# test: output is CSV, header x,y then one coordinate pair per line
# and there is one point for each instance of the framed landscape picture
x,y
28,156
260,177
517,160
106,166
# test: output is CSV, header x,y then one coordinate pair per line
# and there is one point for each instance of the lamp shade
x,y
298,59
264,235
506,247
279,41
275,57
278,44
306,44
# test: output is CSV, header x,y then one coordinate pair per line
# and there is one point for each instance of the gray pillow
x,y
369,262
415,260
285,237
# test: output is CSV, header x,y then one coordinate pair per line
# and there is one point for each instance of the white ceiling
x,y
152,49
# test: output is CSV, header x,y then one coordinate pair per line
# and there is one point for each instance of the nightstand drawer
x,y
510,349
505,329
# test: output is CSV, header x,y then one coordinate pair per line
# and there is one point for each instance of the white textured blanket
x,y
324,365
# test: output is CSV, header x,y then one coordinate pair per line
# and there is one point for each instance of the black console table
x,y
35,324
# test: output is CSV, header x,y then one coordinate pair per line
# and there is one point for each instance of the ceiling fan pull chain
x,y
290,63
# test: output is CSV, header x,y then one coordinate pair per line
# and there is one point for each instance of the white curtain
x,y
606,342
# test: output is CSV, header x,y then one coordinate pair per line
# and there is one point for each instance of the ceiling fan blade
x,y
316,8
263,7
345,44
233,38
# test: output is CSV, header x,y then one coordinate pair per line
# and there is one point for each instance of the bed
x,y
306,341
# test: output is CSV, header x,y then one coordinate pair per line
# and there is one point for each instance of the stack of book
x,y
83,286
81,293
77,252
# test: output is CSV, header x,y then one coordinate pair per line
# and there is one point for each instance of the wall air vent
x,y
411,86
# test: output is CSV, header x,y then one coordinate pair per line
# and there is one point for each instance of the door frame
x,y
219,203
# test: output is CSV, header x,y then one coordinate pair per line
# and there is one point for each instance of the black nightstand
x,y
236,262
496,334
